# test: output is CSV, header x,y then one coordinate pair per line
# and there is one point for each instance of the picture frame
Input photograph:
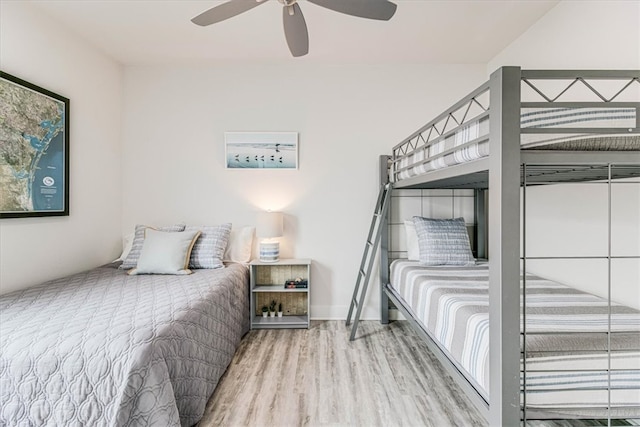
x,y
261,150
34,150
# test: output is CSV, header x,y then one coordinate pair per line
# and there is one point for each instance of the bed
x,y
523,129
105,348
471,141
451,305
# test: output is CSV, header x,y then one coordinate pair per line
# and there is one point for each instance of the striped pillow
x,y
208,251
443,241
138,239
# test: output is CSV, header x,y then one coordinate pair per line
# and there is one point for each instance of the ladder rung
x,y
362,273
355,303
369,243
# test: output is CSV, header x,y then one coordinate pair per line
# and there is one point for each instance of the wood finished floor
x,y
316,377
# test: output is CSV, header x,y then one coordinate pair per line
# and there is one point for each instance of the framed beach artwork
x,y
261,150
34,150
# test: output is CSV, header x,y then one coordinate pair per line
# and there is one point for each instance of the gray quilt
x,y
102,348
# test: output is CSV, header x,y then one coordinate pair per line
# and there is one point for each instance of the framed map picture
x,y
34,150
261,150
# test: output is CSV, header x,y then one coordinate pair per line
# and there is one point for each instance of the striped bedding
x,y
566,370
477,132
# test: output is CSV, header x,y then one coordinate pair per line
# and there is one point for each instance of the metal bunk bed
x,y
507,171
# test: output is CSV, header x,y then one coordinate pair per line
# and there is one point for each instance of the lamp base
x,y
269,251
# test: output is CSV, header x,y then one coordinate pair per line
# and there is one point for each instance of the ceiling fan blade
x,y
295,30
382,10
225,11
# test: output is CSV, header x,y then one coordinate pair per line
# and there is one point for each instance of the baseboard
x,y
332,312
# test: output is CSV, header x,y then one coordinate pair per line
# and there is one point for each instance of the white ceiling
x,y
422,31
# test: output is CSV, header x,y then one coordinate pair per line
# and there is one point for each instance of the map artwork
x,y
33,150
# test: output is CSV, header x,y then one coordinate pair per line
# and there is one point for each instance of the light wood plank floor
x,y
316,377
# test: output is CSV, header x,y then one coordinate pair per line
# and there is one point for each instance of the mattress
x,y
104,348
566,341
471,141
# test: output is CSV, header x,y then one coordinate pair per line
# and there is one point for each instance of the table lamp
x,y
269,228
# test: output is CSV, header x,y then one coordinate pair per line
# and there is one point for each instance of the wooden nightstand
x,y
268,284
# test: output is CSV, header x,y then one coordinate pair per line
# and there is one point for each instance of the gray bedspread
x,y
102,348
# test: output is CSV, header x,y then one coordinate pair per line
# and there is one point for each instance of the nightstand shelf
x,y
277,288
267,284
280,322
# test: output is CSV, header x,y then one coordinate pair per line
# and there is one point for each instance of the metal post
x,y
504,247
609,290
384,245
480,211
524,294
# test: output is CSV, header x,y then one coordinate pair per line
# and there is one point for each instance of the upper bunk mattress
x,y
105,348
566,338
476,135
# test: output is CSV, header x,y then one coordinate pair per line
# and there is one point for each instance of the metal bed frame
x,y
504,172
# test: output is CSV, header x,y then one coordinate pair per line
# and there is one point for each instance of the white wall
x,y
571,220
346,116
171,164
579,35
36,49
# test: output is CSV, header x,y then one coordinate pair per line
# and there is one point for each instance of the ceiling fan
x,y
295,27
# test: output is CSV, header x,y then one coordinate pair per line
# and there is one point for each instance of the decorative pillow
x,y
443,241
127,241
240,245
138,239
209,249
165,252
413,249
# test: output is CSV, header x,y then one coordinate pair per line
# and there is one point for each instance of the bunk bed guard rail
x,y
560,111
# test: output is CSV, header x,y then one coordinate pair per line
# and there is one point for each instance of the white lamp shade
x,y
269,224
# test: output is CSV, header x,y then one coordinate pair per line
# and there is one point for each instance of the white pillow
x,y
240,245
127,242
138,239
413,249
166,252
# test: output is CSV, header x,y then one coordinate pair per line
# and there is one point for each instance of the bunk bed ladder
x,y
368,257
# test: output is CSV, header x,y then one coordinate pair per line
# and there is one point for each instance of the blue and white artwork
x,y
261,150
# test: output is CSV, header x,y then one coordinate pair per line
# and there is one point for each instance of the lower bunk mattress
x,y
569,371
105,348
